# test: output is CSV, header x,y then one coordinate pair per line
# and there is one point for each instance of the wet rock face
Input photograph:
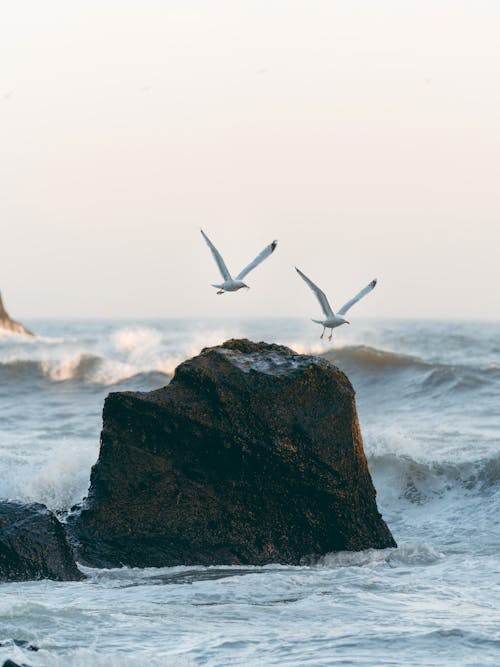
x,y
8,324
252,455
33,545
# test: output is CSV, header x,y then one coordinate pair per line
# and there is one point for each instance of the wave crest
x,y
365,355
405,374
403,477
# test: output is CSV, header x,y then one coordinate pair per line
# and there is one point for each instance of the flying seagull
x,y
232,284
334,319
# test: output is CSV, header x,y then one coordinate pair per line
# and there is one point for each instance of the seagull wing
x,y
268,250
320,295
217,256
356,298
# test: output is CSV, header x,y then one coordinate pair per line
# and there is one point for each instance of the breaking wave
x,y
151,355
370,357
85,368
411,375
420,481
129,352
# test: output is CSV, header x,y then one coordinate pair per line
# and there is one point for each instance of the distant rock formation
x,y
9,324
252,455
33,545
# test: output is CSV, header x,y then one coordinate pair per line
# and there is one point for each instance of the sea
x,y
428,398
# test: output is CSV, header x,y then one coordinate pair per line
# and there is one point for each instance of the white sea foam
x,y
313,349
92,656
410,553
57,477
123,354
65,368
136,341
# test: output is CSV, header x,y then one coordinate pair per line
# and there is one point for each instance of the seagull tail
x,y
317,321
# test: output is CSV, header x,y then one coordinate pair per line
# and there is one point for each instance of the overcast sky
x,y
364,135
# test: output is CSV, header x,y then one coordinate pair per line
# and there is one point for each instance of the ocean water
x,y
428,400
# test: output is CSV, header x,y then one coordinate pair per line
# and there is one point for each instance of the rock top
x,y
252,455
9,324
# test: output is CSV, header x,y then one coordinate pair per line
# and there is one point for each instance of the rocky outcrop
x,y
33,545
14,644
21,643
252,455
8,324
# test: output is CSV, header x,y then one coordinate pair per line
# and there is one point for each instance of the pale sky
x,y
364,135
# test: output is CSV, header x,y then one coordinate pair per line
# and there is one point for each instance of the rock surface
x,y
21,643
33,545
252,455
8,324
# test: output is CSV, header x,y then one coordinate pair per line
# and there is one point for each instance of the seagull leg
x,y
221,291
331,334
323,333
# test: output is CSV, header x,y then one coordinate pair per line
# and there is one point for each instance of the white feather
x,y
366,290
320,295
268,250
218,258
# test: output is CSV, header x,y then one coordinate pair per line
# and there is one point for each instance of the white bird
x,y
233,284
334,320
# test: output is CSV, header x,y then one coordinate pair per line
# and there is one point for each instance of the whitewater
x,y
428,401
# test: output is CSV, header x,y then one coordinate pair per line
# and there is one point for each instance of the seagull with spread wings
x,y
334,320
230,284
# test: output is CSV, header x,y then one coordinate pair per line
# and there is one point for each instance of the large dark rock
x,y
7,323
33,545
252,454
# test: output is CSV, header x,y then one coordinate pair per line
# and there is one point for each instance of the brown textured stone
x,y
9,324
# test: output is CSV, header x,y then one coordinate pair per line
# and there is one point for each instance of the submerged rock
x,y
252,455
8,324
22,643
33,545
